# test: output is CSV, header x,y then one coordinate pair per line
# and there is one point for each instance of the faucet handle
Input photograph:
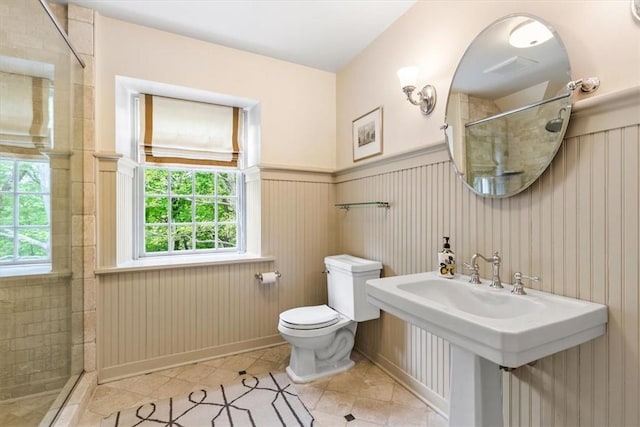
x,y
518,287
475,277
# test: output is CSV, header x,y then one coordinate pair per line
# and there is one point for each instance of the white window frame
x,y
25,262
139,199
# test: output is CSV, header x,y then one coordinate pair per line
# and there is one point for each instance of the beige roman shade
x,y
24,112
187,132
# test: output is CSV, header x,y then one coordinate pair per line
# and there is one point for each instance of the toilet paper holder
x,y
259,275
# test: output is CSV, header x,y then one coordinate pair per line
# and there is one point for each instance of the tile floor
x,y
365,392
26,412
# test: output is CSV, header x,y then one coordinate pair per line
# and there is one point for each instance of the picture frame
x,y
367,135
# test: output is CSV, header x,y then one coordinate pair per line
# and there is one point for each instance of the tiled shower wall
x,y
577,227
35,325
40,339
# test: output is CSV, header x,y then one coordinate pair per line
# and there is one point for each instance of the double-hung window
x,y
26,120
189,185
25,218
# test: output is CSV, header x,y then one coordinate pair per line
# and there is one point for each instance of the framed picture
x,y
367,135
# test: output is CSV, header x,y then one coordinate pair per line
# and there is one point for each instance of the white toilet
x,y
322,336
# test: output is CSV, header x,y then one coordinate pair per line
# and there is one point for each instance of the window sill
x,y
184,261
25,270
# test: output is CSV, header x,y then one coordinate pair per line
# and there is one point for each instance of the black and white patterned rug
x,y
270,400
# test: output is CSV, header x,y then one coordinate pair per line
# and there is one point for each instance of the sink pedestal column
x,y
476,391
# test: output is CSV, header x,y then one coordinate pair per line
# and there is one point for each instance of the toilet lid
x,y
312,317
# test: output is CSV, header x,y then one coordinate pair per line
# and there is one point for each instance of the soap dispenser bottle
x,y
446,261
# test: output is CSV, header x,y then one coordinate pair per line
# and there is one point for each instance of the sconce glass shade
x,y
528,34
408,76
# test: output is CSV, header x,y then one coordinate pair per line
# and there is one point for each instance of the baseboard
x,y
422,392
114,373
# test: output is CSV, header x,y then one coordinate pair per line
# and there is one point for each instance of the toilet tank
x,y
346,277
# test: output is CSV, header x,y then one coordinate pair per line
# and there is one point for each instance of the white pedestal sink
x,y
487,328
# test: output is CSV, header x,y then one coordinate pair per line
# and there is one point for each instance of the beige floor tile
x,y
309,395
346,382
237,363
146,384
324,419
365,391
260,367
377,375
173,387
436,420
90,419
255,354
277,354
404,397
361,423
408,416
215,363
335,402
193,373
219,376
379,390
107,400
172,372
371,410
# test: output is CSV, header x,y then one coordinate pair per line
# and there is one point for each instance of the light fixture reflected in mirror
x,y
530,33
426,98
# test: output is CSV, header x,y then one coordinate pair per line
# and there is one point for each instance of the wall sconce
x,y
426,97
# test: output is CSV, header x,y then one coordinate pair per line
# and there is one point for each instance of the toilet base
x,y
322,372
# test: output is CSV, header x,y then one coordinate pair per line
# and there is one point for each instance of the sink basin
x,y
487,328
509,330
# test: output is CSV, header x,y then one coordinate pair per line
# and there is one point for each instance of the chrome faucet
x,y
495,264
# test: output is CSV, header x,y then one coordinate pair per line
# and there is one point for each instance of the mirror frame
x,y
566,97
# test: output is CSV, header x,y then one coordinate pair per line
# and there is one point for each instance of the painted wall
x,y
297,102
576,227
601,37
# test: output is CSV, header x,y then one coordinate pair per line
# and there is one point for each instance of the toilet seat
x,y
310,317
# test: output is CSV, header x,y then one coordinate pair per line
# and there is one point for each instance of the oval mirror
x,y
508,106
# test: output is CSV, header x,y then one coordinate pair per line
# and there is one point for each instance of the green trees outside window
x,y
25,211
188,210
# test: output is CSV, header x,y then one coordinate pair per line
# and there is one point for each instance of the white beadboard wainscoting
x,y
577,227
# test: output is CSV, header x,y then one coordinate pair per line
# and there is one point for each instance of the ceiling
x,y
323,34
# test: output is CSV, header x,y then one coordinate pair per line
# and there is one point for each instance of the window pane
x,y
198,207
33,177
182,237
33,243
33,210
156,181
181,210
182,182
226,184
205,237
156,210
6,244
156,239
205,210
6,209
227,236
204,183
227,210
6,175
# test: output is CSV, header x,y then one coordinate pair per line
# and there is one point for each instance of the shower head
x,y
555,125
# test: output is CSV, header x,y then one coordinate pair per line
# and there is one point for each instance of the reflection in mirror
x,y
508,106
